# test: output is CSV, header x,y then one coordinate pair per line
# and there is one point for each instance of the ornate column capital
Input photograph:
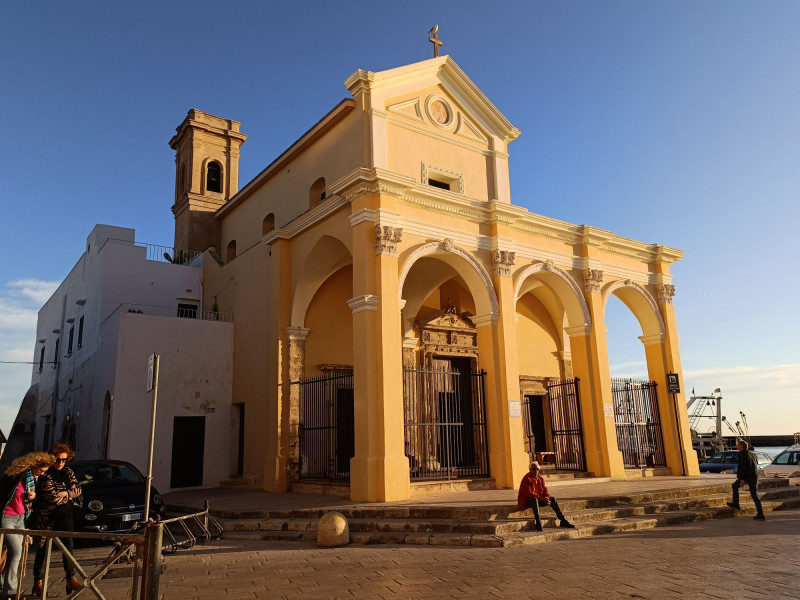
x,y
387,238
592,278
502,261
362,303
664,293
484,320
297,333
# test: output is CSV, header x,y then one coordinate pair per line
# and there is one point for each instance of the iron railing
x,y
326,428
638,423
445,423
146,546
168,311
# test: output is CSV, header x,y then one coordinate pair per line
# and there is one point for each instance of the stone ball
x,y
333,529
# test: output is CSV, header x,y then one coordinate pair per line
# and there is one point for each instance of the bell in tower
x,y
206,177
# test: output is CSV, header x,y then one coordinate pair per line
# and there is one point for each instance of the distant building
x,y
398,321
122,302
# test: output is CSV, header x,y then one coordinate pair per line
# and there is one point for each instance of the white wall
x,y
195,380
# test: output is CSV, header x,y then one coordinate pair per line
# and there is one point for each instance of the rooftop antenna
x,y
434,39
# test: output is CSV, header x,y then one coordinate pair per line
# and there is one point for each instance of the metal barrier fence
x,y
146,546
445,423
638,423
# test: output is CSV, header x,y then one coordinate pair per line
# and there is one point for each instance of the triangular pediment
x,y
436,92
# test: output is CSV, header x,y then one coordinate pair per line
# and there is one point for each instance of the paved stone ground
x,y
726,558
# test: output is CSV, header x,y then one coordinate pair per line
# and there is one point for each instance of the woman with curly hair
x,y
56,491
17,491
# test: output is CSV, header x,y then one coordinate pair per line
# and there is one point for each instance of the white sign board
x,y
608,410
150,371
514,408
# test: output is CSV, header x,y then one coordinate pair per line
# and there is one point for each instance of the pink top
x,y
16,507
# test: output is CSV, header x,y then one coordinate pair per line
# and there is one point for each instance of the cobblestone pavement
x,y
727,558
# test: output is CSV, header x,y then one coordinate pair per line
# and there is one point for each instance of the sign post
x,y
152,386
674,388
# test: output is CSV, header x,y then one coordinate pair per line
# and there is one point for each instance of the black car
x,y
113,496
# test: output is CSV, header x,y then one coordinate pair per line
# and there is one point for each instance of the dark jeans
x,y
533,503
753,485
38,562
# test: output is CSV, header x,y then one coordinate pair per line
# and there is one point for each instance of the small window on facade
x,y
268,224
187,311
230,252
439,184
214,177
182,179
317,192
41,359
55,354
80,333
69,343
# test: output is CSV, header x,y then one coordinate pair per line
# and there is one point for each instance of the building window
x,y
230,252
444,179
317,192
41,359
80,333
187,311
214,177
268,224
55,354
69,343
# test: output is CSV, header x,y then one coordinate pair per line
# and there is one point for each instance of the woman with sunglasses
x,y
56,493
17,492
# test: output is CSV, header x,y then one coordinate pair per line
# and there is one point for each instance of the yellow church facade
x,y
399,320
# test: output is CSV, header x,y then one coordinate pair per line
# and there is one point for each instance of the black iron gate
x,y
639,436
445,423
327,441
562,403
565,419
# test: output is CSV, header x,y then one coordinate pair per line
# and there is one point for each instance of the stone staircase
x,y
506,526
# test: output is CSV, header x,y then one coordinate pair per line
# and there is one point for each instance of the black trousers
x,y
532,502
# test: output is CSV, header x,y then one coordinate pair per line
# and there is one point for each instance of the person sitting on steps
x,y
533,492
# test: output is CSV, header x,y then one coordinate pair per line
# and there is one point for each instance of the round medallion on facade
x,y
439,111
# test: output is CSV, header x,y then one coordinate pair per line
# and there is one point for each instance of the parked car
x,y
726,462
786,464
113,496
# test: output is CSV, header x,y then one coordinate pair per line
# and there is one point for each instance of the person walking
x,y
53,509
746,473
17,492
533,492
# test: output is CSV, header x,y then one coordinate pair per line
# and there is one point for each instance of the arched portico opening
x,y
632,319
548,304
320,354
445,293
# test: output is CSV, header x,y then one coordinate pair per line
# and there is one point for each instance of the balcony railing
x,y
165,254
168,311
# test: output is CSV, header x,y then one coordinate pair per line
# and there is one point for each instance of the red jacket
x,y
532,485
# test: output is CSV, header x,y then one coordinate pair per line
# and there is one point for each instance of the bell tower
x,y
206,177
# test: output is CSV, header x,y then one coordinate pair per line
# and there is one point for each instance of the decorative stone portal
x,y
444,406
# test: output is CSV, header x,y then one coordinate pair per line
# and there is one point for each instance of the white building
x,y
121,303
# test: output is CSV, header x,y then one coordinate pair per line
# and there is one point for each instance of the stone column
x,y
590,365
663,356
297,364
379,471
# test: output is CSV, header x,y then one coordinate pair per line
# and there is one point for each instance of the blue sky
x,y
667,122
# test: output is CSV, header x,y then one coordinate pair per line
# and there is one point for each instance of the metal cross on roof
x,y
435,39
